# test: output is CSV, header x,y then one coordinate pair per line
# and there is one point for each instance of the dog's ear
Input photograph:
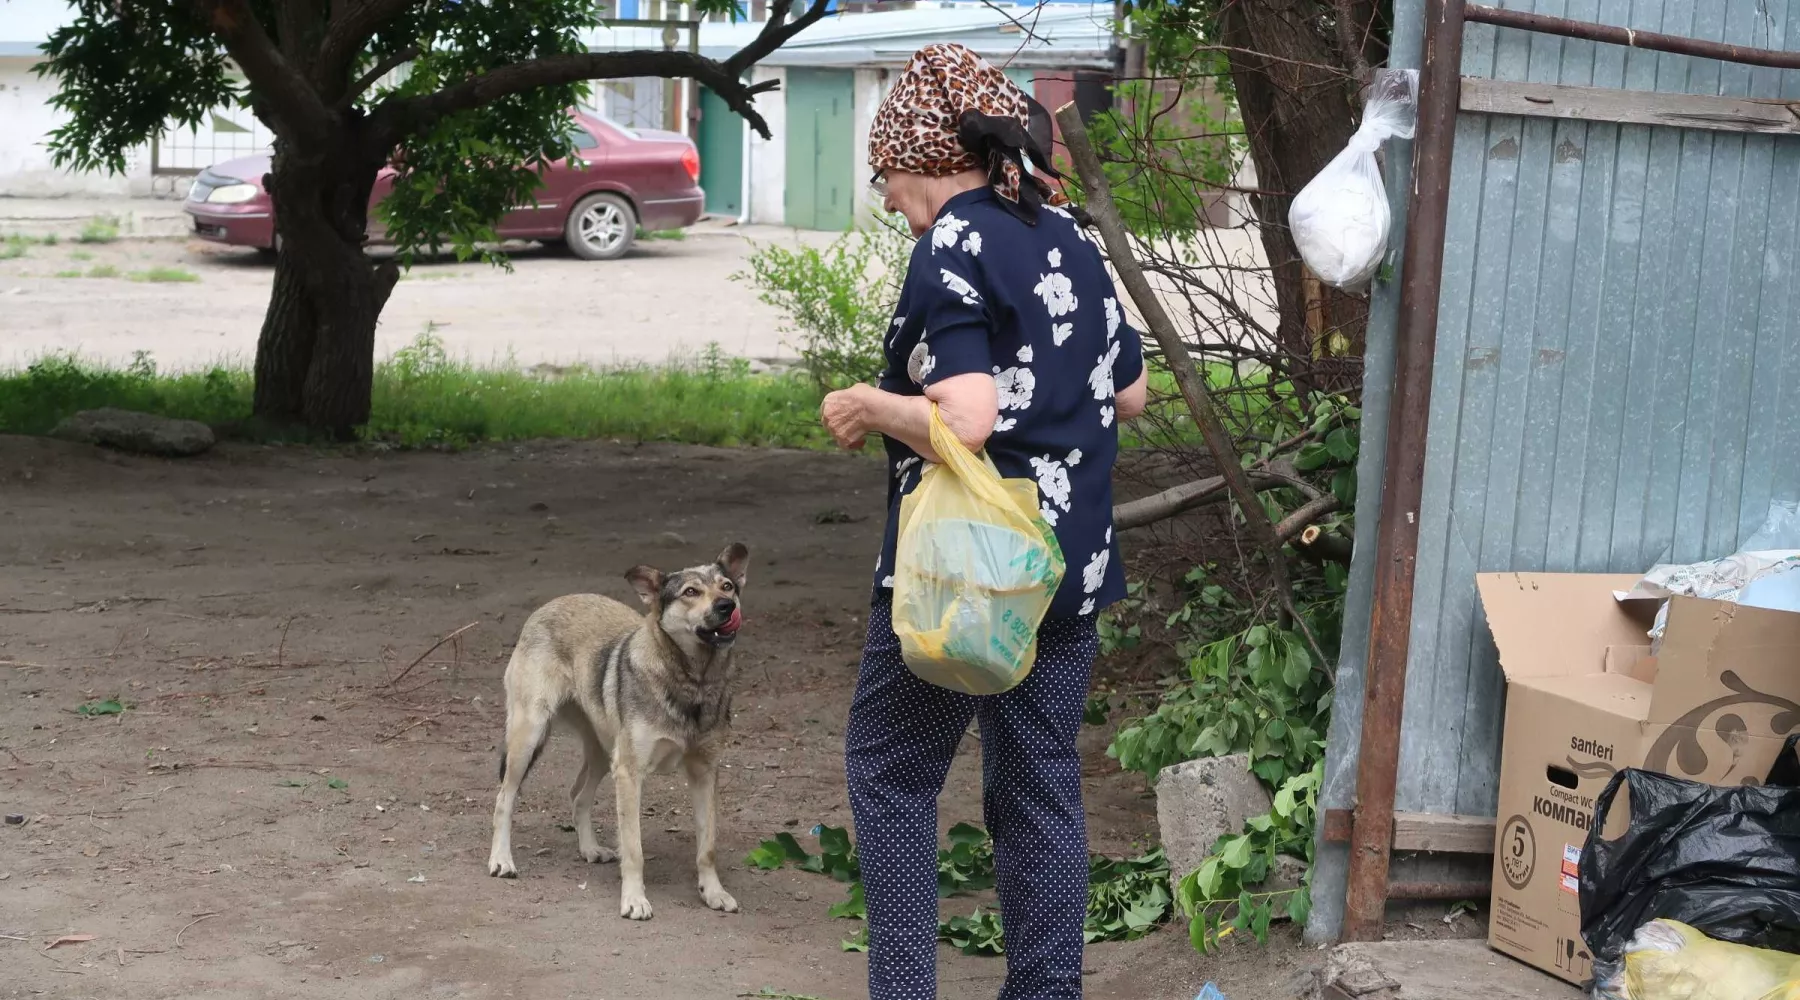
x,y
648,581
735,561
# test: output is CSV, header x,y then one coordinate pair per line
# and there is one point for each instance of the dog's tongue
x,y
733,623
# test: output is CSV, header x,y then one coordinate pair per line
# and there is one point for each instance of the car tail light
x,y
690,159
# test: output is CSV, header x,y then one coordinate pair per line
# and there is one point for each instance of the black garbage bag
x,y
1724,860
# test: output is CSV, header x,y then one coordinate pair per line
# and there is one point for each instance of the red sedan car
x,y
618,180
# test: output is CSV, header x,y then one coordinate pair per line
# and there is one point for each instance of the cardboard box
x,y
1584,697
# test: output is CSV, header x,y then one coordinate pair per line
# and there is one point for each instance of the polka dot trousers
x,y
901,737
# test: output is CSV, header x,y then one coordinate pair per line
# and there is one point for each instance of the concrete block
x,y
1199,801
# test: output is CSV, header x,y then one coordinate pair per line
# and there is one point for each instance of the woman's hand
x,y
845,414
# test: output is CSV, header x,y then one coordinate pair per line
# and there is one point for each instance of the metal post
x,y
1632,38
1397,535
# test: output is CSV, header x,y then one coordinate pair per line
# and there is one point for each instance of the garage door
x,y
821,149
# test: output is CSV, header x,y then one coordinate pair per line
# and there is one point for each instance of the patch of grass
x,y
81,255
14,248
422,398
662,234
100,229
76,273
103,271
164,275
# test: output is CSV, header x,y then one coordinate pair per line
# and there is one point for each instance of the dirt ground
x,y
263,613
550,309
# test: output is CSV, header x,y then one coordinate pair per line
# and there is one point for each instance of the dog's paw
x,y
719,899
502,868
599,855
634,907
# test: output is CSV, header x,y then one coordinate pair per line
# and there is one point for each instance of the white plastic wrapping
x,y
1340,220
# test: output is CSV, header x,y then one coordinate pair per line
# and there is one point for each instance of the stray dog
x,y
645,692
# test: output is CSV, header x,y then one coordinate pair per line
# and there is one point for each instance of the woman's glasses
x,y
879,184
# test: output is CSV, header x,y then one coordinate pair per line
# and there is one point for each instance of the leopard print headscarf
x,y
951,111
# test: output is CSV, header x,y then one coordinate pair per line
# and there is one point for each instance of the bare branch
x,y
1187,374
774,35
398,117
376,72
1303,518
283,89
1181,499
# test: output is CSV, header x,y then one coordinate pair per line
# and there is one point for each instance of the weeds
x,y
14,248
424,398
68,274
1127,898
81,256
672,235
103,271
838,300
100,229
165,275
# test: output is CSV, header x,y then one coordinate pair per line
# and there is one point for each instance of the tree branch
x,y
1199,399
350,31
1301,519
376,72
1180,499
284,89
774,35
397,117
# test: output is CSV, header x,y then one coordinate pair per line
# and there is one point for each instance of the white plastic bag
x,y
1340,219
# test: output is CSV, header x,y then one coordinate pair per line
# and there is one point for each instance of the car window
x,y
583,139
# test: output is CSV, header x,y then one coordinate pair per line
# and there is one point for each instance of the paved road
x,y
667,300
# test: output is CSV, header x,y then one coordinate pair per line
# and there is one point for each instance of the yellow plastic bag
x,y
975,570
1668,960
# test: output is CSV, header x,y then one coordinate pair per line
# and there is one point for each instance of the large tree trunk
x,y
1296,95
316,354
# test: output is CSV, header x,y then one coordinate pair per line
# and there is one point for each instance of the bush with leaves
x,y
1254,682
838,300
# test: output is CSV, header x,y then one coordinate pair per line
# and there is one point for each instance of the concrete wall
x,y
768,157
26,169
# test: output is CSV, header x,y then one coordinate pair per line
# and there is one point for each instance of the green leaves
x,y
976,934
1217,896
110,706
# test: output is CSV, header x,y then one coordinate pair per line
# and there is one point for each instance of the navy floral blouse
x,y
1034,307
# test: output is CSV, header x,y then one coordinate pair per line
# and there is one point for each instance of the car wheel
x,y
602,227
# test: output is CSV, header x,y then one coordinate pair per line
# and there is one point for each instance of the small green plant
x,y
1217,896
81,256
1126,897
103,271
662,234
839,300
164,275
48,239
110,706
100,229
15,247
68,274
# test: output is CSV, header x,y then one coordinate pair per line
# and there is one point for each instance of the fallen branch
x,y
434,648
1301,519
1180,499
1199,399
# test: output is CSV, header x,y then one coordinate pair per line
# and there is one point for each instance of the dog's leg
x,y
627,788
703,782
527,727
594,765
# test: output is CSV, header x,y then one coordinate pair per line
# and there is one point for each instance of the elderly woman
x,y
1009,324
